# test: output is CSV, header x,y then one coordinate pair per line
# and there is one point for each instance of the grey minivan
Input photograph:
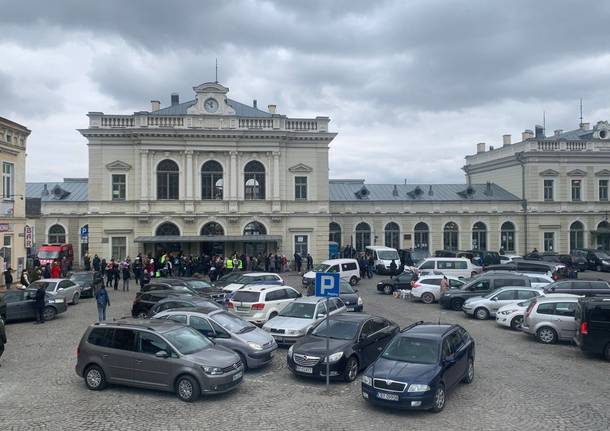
x,y
254,346
156,354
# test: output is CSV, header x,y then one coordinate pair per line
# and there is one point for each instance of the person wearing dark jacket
x,y
309,262
8,277
126,276
297,262
103,300
24,280
393,268
41,295
96,263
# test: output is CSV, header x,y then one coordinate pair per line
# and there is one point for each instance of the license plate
x,y
388,397
243,308
307,370
238,376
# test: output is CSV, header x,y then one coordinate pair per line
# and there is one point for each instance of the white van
x,y
348,270
383,258
450,266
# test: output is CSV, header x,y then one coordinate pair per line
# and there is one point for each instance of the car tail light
x,y
584,328
555,276
258,306
230,304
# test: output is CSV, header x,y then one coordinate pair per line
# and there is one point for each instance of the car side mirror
x,y
494,298
450,360
321,316
299,295
162,354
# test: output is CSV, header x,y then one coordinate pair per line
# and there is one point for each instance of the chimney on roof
x,y
491,148
488,190
527,134
271,109
584,126
558,132
539,131
505,140
430,192
175,99
155,105
45,191
395,191
480,147
254,103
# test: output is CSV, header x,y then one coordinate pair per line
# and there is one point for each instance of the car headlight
x,y
213,371
333,358
418,388
507,312
605,262
290,350
366,380
255,346
58,301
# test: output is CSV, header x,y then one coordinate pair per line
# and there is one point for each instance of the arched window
x,y
363,236
211,180
392,235
577,235
421,236
167,180
450,236
479,236
212,229
603,236
57,234
507,237
255,228
167,229
254,180
334,233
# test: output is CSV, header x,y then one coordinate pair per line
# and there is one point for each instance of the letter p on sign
x,y
327,284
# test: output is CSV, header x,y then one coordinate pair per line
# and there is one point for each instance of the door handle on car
x,y
138,361
104,356
380,348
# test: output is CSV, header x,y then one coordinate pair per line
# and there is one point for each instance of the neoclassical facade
x,y
212,175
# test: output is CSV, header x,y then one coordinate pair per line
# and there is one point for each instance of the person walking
x,y
96,262
56,270
393,268
309,262
8,277
444,284
297,262
126,276
370,266
116,274
24,280
103,300
40,297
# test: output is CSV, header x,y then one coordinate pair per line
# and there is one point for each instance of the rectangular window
x,y
119,247
549,241
7,250
576,185
8,178
119,186
603,190
300,187
548,190
300,245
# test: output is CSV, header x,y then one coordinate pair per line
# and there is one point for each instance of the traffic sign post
x,y
327,285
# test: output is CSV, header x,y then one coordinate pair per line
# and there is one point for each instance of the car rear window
x,y
600,314
432,281
241,296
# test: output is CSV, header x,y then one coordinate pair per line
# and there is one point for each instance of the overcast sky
x,y
410,86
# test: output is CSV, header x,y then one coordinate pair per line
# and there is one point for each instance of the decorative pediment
x,y
211,87
603,173
118,165
576,173
549,173
300,168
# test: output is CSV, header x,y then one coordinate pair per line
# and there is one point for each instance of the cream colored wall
x,y
508,178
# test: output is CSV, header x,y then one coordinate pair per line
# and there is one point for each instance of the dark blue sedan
x,y
419,366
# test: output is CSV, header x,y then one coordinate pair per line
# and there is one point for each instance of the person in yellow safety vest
x,y
241,264
229,264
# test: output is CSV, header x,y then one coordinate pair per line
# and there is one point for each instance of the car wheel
x,y
607,352
481,313
516,323
469,377
387,289
187,389
272,315
351,369
427,298
456,304
75,298
141,315
438,402
243,360
546,335
95,379
49,313
353,281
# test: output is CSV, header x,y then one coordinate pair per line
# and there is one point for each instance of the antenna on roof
x,y
216,81
543,122
580,124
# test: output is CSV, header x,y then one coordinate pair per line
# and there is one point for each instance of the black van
x,y
593,326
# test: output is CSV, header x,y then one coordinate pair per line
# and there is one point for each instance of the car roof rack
x,y
412,325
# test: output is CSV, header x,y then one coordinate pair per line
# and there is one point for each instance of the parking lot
x,y
519,384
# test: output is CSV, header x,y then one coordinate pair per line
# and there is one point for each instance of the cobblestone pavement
x,y
519,384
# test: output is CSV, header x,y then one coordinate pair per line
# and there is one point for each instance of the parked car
x,y
176,285
593,326
511,315
49,253
412,257
144,301
597,260
427,288
454,266
88,281
2,307
481,257
205,289
538,281
181,301
254,346
484,307
400,282
554,270
349,295
156,354
228,278
299,316
579,259
445,253
508,258
348,270
21,305
59,288
479,286
383,257
259,303
355,342
550,319
267,278
419,366
580,287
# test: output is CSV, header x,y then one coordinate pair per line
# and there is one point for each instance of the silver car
x,y
254,346
59,288
484,307
296,318
550,319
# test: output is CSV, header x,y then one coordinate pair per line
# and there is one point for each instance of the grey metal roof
x,y
241,110
73,190
572,135
349,190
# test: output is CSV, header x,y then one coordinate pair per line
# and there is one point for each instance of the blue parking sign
x,y
327,284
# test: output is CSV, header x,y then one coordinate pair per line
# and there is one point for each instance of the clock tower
x,y
211,100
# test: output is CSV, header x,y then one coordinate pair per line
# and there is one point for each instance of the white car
x,y
261,302
60,288
253,278
508,258
511,315
428,287
539,281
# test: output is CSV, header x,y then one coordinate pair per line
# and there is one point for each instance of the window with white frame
x,y
119,187
8,180
300,188
548,190
603,190
119,247
549,241
576,190
7,250
300,245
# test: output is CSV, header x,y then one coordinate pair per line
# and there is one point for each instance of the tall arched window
x,y
507,237
167,180
577,235
603,235
421,234
450,236
167,229
363,236
255,228
211,180
392,235
212,229
334,233
254,180
479,236
57,234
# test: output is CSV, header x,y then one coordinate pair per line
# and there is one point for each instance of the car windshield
x,y
601,255
81,277
321,267
338,329
232,323
244,279
48,254
187,340
415,350
199,285
300,310
345,287
48,285
388,255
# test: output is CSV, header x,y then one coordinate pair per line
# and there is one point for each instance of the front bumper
x,y
262,358
223,383
504,320
469,310
318,370
405,401
356,308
